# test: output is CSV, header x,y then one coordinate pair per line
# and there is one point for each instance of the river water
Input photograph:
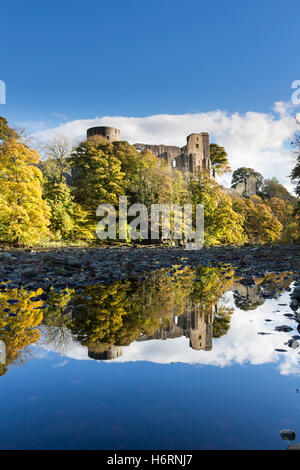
x,y
182,359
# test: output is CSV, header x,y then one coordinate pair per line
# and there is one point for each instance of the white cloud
x,y
257,140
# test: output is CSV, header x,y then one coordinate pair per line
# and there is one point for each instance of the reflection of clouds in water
x,y
242,344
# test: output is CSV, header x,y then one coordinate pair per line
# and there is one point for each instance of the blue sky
x,y
137,57
69,64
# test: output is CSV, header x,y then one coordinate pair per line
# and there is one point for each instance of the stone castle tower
x,y
192,159
195,157
105,352
110,133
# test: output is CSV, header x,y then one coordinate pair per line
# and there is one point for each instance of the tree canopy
x,y
24,214
219,160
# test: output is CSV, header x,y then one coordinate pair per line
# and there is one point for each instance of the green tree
x,y
219,160
295,175
68,219
98,179
241,174
62,206
271,188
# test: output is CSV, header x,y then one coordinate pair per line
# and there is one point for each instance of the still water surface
x,y
176,361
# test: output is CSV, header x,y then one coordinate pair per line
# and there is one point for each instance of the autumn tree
x,y
260,224
24,215
18,326
6,132
271,188
98,179
222,225
67,218
147,179
219,160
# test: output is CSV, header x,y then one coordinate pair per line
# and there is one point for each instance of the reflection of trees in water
x,y
60,337
167,304
57,319
133,310
249,297
18,325
222,318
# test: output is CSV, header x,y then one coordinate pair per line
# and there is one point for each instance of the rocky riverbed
x,y
71,267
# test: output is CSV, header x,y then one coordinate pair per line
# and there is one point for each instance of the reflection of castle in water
x,y
194,324
112,352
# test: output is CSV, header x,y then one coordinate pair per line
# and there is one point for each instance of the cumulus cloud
x,y
252,139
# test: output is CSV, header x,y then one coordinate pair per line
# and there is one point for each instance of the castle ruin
x,y
191,159
110,133
195,323
247,188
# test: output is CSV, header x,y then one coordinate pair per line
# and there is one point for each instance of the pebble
x,y
284,328
71,267
287,435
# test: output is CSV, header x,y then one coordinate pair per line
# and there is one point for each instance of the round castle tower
x,y
110,133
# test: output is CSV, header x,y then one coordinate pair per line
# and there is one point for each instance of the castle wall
x,y
195,324
246,188
168,152
191,159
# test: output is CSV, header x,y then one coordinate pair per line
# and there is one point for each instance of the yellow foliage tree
x,y
18,326
260,224
222,225
23,213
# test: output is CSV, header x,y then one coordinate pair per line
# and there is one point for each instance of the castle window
x,y
174,163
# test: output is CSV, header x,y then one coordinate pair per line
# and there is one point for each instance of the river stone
x,y
293,447
287,435
75,262
29,272
296,294
292,343
284,328
294,305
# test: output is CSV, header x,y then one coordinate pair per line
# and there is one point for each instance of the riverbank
x,y
71,267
